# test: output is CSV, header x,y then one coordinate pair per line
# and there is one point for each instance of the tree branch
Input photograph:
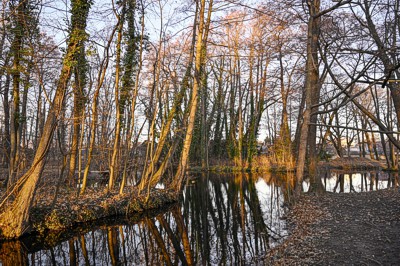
x,y
326,11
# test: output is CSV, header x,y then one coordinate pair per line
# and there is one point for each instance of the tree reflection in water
x,y
344,182
224,219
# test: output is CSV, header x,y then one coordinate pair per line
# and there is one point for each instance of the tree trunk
x,y
133,106
78,115
93,125
308,132
113,162
200,45
6,106
16,49
14,221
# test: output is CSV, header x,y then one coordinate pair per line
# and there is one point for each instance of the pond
x,y
231,219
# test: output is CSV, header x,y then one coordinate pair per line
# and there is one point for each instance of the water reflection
x,y
224,219
345,182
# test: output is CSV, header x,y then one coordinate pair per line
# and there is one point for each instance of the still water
x,y
225,219
353,182
222,219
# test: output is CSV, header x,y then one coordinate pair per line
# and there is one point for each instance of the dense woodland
x,y
137,89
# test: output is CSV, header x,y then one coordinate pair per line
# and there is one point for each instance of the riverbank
x,y
342,229
238,169
338,164
353,164
64,209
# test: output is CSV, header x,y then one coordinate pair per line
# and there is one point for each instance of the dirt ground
x,y
343,229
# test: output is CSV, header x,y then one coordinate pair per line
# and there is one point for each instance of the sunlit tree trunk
x,y
113,162
151,176
15,219
200,45
93,126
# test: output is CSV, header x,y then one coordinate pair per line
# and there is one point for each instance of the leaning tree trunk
x,y
100,80
200,45
14,221
113,163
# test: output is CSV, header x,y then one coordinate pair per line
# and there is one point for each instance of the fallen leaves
x,y
337,229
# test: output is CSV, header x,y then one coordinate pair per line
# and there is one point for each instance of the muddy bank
x,y
342,229
66,210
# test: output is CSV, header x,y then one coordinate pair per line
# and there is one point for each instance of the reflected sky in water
x,y
222,219
342,182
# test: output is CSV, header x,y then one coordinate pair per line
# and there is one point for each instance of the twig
x,y
377,262
371,224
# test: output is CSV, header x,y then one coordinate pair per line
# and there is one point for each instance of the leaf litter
x,y
342,229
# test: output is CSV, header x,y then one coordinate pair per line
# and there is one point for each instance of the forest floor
x,y
342,229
